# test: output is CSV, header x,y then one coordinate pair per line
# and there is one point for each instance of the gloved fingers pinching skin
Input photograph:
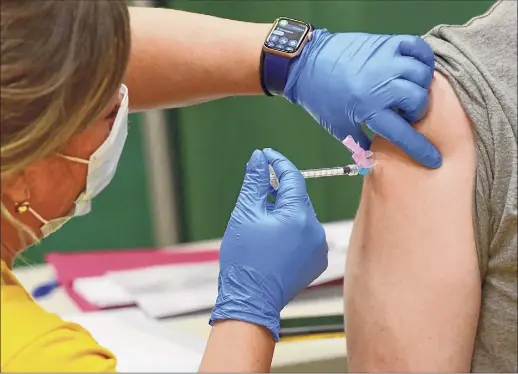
x,y
346,79
413,103
404,136
411,72
270,251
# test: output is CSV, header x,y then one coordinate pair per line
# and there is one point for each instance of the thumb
x,y
256,183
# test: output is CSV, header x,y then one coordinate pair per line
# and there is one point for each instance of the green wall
x,y
215,140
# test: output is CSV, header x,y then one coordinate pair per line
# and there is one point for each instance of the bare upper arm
x,y
412,291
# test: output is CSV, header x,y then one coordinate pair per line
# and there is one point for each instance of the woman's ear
x,y
15,198
15,190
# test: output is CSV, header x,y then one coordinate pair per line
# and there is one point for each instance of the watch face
x,y
287,35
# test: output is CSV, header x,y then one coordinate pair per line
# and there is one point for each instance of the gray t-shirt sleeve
x,y
480,62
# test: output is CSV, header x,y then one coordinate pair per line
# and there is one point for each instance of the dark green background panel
x,y
215,140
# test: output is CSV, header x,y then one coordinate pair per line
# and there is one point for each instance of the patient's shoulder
x,y
446,125
34,340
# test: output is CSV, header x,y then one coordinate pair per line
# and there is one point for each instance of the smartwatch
x,y
284,42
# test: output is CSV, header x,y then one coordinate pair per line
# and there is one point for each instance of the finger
x,y
414,46
272,191
292,186
411,99
394,128
338,132
270,205
415,72
310,206
341,132
256,182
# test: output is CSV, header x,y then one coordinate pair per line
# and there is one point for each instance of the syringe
x,y
349,170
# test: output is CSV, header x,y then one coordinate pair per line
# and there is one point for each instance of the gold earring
x,y
22,207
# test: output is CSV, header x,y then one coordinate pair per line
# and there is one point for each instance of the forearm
x,y
180,58
236,346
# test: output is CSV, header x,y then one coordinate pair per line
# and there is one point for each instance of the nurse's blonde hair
x,y
60,64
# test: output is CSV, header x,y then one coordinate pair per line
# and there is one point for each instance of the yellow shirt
x,y
33,340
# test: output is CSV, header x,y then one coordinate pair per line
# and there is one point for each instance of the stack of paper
x,y
175,288
70,267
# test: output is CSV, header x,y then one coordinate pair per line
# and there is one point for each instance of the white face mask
x,y
101,169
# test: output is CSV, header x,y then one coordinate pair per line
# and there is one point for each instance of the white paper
x,y
102,292
170,290
175,303
140,344
182,296
165,278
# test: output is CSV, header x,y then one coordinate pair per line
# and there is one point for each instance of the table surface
x,y
320,301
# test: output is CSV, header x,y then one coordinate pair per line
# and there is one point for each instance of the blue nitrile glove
x,y
270,251
344,80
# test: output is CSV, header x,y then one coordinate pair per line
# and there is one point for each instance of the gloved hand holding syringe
x,y
363,165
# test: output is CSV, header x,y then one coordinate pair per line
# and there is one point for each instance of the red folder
x,y
70,266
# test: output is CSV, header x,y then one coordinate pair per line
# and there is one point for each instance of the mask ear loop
x,y
74,159
40,218
25,207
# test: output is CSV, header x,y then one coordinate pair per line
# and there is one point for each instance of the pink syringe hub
x,y
360,156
